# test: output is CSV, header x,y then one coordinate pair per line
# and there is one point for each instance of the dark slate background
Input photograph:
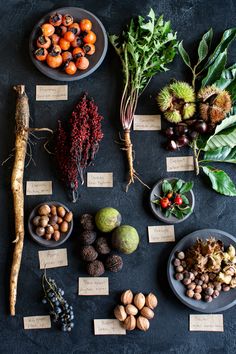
x,y
145,270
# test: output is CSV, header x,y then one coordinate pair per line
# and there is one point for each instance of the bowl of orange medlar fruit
x,y
68,44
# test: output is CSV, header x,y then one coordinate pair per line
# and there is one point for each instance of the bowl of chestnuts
x,y
50,224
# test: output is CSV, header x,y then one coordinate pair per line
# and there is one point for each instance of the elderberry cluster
x,y
60,311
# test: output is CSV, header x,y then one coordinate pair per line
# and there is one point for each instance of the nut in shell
x,y
127,297
143,323
120,313
147,313
151,301
44,210
131,310
129,323
139,301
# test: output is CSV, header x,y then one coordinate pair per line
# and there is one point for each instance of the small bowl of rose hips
x,y
172,200
68,44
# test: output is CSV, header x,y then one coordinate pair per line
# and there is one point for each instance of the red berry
x,y
165,203
178,200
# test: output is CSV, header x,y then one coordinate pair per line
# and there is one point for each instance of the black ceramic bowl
x,y
226,299
95,60
156,191
40,240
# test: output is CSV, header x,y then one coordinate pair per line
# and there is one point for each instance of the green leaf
x,y
156,201
215,70
202,50
208,37
228,36
184,54
185,210
167,213
166,187
222,154
186,187
220,181
227,137
185,199
226,123
177,185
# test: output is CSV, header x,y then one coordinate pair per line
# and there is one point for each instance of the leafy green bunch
x,y
211,70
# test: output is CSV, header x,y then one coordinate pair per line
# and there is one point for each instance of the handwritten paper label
x,y
100,179
53,258
38,187
206,323
108,327
182,163
37,322
93,286
165,233
51,92
147,122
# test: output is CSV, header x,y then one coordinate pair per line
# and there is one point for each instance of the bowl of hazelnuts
x,y
50,224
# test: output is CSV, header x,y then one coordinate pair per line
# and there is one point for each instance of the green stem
x,y
195,156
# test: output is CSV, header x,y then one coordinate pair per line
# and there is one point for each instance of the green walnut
x,y
107,219
125,239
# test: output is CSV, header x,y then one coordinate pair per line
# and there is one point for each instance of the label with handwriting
x,y
53,258
180,163
147,122
164,233
108,327
37,322
206,323
93,286
39,188
51,92
100,179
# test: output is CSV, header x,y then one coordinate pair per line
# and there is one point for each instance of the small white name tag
x,y
206,323
39,188
182,163
147,122
51,92
93,286
108,327
165,233
100,179
37,322
53,258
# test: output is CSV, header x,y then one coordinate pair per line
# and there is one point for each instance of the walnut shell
x,y
143,323
127,297
131,310
147,313
139,301
120,313
151,301
130,323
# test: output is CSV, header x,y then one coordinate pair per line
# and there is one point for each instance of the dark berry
x,y
182,140
181,129
193,135
171,145
169,132
200,126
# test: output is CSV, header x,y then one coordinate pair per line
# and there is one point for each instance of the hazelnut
x,y
217,286
205,278
147,313
180,255
191,276
186,281
191,286
179,276
53,210
143,323
36,220
209,291
139,301
64,226
40,231
48,236
151,301
120,313
61,211
56,235
198,289
68,217
225,287
127,297
43,221
184,264
177,262
197,296
129,323
190,293
215,294
55,227
131,310
59,220
179,269
208,298
44,210
53,220
49,230
204,286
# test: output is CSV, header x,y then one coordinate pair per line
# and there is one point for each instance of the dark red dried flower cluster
x,y
77,142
